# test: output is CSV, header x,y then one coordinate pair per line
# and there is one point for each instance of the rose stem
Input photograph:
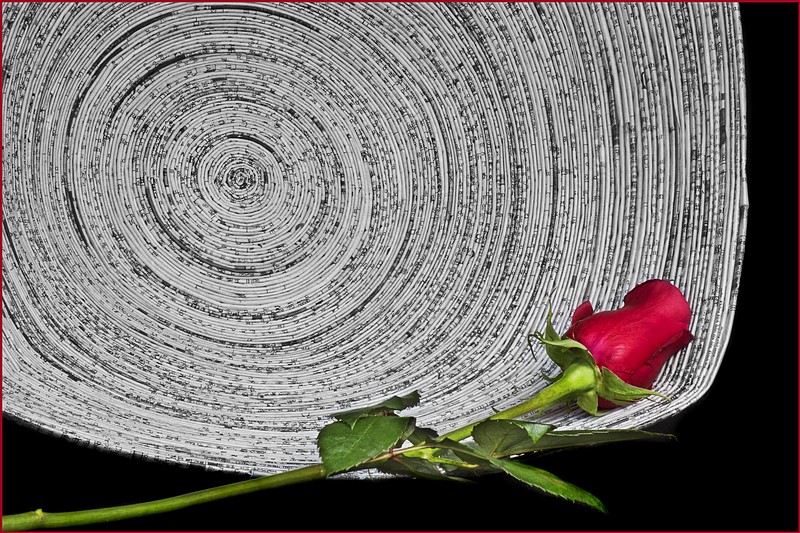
x,y
39,519
576,379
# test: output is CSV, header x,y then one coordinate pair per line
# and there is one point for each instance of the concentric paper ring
x,y
223,222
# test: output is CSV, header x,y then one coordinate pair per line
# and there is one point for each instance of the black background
x,y
732,468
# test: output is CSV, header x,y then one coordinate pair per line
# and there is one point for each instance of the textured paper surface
x,y
223,222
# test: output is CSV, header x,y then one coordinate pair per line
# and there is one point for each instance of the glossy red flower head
x,y
636,340
612,358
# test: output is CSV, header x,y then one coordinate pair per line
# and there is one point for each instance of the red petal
x,y
646,375
661,297
605,404
583,311
624,340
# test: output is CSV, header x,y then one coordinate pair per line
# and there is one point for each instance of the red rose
x,y
635,341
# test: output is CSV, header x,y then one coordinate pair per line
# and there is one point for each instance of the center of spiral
x,y
240,179
242,183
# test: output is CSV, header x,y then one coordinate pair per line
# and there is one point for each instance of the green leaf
x,y
568,439
614,389
450,462
410,430
549,331
565,352
464,458
567,344
549,483
588,402
384,408
500,438
413,467
342,447
420,435
466,451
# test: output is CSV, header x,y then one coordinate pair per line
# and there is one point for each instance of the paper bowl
x,y
223,223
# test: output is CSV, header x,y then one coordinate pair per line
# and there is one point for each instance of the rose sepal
x,y
588,401
563,351
566,352
612,388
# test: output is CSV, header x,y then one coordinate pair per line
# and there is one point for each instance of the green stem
x,y
39,519
577,378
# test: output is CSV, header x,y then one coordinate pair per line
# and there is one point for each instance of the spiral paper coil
x,y
223,222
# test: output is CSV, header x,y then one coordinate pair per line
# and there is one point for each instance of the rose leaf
x,y
549,483
412,467
572,438
342,447
500,438
384,408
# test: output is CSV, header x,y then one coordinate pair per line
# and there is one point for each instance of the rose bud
x,y
627,347
612,357
609,358
635,341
